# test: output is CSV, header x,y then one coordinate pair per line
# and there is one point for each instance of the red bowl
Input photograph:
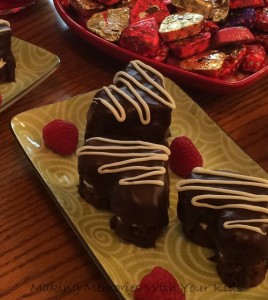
x,y
169,69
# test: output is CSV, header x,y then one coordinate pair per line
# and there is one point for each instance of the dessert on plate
x,y
228,212
7,60
123,164
130,178
135,107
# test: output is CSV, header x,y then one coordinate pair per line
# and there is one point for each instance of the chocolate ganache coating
x,y
7,60
129,178
228,212
135,107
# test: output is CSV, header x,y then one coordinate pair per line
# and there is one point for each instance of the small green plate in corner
x,y
34,64
123,264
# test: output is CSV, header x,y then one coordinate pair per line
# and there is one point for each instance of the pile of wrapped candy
x,y
215,38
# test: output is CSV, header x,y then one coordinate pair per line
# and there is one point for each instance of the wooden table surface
x,y
37,245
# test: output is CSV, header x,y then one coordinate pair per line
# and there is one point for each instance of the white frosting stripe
x,y
131,159
6,26
237,224
200,170
221,182
219,190
233,198
137,101
121,116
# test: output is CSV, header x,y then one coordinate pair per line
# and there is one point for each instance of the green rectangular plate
x,y
34,64
124,264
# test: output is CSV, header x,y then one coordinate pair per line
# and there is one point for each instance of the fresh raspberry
x,y
60,136
159,284
184,156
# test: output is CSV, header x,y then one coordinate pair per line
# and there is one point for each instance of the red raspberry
x,y
60,136
159,284
184,156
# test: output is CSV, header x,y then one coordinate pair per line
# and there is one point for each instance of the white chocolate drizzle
x,y
6,27
135,99
132,159
225,194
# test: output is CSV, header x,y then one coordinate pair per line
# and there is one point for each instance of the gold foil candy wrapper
x,y
86,7
208,63
109,24
179,26
202,7
220,10
216,10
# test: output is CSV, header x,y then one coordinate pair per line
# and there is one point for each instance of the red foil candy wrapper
x,y
231,35
209,26
216,64
208,63
109,24
263,40
144,9
142,37
180,26
190,46
86,7
220,10
245,3
232,61
255,58
162,53
261,19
